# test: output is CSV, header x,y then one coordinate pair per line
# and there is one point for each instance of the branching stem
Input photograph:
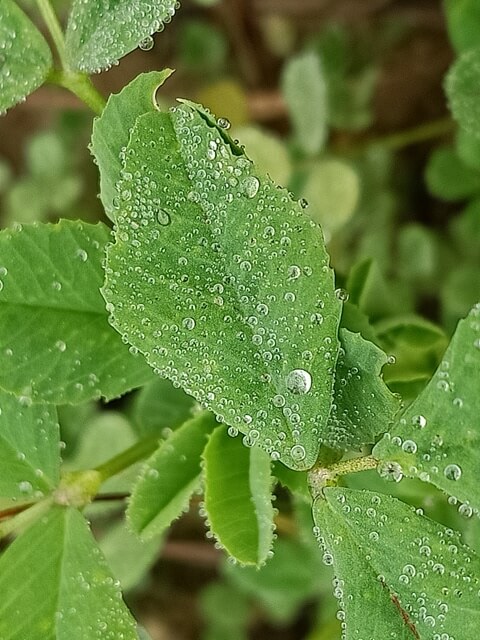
x,y
81,85
127,458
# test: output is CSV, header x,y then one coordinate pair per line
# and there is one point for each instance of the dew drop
x,y
163,217
341,295
250,186
147,44
188,323
278,401
298,452
452,472
60,345
299,381
223,123
390,471
419,421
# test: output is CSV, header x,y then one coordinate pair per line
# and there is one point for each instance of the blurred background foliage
x,y
342,102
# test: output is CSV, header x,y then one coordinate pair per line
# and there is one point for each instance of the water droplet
x,y
342,295
390,471
60,345
452,472
409,446
299,381
82,255
419,421
250,186
188,323
223,123
147,44
278,401
303,203
298,452
465,510
163,217
293,272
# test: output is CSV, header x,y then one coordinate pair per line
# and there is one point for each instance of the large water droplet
x,y
251,185
147,44
299,381
223,123
163,217
452,472
298,452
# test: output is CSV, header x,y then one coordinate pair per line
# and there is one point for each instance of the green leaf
x,y
461,87
169,478
417,580
305,92
57,344
291,576
226,612
363,405
29,448
332,189
99,33
238,306
112,129
370,291
463,18
267,151
25,57
437,438
56,585
449,178
159,408
238,497
128,557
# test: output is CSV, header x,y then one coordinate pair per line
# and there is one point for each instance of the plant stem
x,y
51,20
80,85
25,518
127,458
320,476
353,465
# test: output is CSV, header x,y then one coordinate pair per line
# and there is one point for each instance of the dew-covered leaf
x,y
111,130
305,92
169,478
363,404
57,345
56,585
99,32
238,497
438,437
223,283
416,578
159,407
461,87
29,448
25,57
463,19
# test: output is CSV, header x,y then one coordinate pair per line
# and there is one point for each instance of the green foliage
x,y
58,558
228,282
99,33
264,378
54,273
424,443
429,559
169,478
242,519
25,57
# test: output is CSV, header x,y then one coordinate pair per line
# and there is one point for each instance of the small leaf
x,y
364,406
159,408
169,478
238,305
332,189
416,577
267,151
463,18
461,87
29,448
449,178
437,438
238,497
112,129
56,585
25,57
57,344
305,92
101,32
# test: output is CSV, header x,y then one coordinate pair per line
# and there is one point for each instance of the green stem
x,y
25,518
127,458
354,465
401,139
80,85
320,476
51,20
